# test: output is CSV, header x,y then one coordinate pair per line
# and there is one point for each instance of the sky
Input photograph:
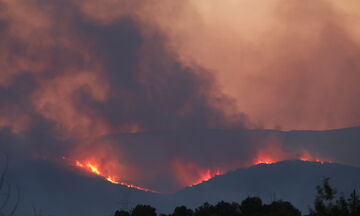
x,y
76,75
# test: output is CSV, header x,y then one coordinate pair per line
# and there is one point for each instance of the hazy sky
x,y
288,64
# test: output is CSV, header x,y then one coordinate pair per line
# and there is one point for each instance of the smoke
x,y
71,78
136,86
288,64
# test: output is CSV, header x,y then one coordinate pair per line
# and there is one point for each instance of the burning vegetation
x,y
96,169
188,174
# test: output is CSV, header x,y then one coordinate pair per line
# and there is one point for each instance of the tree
x,y
182,211
251,206
6,190
122,213
143,210
205,210
227,209
323,205
340,208
354,204
326,192
281,208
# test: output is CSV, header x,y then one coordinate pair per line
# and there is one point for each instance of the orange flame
x,y
306,156
190,174
206,176
94,168
264,161
267,157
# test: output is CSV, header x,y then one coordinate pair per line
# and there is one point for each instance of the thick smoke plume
x,y
289,64
136,85
78,77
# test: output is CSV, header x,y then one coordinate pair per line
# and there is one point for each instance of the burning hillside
x,y
95,81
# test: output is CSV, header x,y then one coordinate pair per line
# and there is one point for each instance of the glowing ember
x,y
95,169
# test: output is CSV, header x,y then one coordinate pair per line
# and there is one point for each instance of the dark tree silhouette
x,y
281,208
182,211
6,190
122,213
325,191
251,206
227,209
354,204
204,210
326,205
323,204
341,207
143,210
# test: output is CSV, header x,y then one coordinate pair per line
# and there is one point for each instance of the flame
x,y
306,156
274,151
94,168
269,158
206,176
266,157
90,167
264,161
190,174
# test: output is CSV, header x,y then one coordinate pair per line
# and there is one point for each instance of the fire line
x,y
94,169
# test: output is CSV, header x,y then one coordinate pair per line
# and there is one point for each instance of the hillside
x,y
293,181
61,190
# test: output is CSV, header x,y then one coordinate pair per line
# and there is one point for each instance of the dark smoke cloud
x,y
68,82
148,87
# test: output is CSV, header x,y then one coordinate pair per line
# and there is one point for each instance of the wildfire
x,y
190,174
94,168
306,156
264,161
206,176
266,158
